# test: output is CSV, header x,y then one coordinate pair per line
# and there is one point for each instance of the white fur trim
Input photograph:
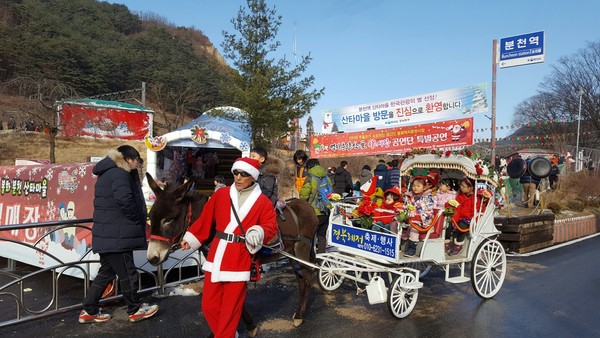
x,y
225,276
192,240
245,166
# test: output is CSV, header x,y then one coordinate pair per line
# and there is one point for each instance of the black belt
x,y
230,238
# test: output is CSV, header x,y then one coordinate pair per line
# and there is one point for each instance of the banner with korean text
x,y
448,134
443,105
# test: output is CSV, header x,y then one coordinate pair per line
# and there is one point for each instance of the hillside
x,y
34,145
93,48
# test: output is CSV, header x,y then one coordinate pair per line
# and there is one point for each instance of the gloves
x,y
254,239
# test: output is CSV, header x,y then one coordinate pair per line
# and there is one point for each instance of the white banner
x,y
447,104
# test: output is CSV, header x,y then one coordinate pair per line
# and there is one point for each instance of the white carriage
x,y
374,258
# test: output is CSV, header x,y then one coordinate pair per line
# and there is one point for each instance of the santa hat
x,y
249,165
368,188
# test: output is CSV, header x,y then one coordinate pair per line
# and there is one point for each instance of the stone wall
x,y
576,227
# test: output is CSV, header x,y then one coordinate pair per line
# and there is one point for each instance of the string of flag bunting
x,y
528,124
557,137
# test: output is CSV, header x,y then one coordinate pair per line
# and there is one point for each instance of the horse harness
x,y
295,238
174,241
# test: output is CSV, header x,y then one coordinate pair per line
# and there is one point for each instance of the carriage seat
x,y
438,227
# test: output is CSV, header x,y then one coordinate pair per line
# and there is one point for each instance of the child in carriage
x,y
461,220
444,194
421,203
384,218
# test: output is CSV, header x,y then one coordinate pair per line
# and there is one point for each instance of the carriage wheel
x,y
488,269
423,268
401,300
329,280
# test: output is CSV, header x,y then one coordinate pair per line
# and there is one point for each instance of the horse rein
x,y
175,240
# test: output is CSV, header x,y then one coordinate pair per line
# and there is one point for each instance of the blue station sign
x,y
521,50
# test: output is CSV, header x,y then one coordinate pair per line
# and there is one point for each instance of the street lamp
x,y
578,127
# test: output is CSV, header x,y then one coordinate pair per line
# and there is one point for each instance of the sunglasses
x,y
241,173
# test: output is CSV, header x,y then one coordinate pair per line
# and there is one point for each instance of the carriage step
x,y
413,285
457,279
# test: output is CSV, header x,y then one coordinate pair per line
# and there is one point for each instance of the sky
x,y
366,51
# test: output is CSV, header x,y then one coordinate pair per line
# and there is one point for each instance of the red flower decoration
x,y
448,153
478,169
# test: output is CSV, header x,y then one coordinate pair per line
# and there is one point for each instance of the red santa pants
x,y
222,305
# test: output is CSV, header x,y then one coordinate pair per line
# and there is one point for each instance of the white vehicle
x,y
375,259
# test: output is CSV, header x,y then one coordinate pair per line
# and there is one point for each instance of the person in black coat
x,y
393,175
381,171
343,180
530,184
119,229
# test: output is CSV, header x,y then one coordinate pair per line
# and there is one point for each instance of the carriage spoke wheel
x,y
488,269
402,300
330,280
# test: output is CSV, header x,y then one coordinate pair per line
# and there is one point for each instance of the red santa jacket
x,y
386,212
466,208
231,261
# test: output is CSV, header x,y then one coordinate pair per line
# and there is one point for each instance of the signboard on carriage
x,y
442,105
364,241
451,134
42,193
104,120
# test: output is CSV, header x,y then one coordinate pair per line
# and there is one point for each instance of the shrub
x,y
555,207
576,205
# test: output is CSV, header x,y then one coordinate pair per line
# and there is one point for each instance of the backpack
x,y
320,197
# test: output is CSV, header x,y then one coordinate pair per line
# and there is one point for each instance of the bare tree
x,y
42,108
559,97
178,102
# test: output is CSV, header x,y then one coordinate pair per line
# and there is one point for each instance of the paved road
x,y
552,294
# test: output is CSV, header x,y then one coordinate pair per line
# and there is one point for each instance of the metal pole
x,y
144,94
493,145
577,166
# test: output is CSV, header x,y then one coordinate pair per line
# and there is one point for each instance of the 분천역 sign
x,y
521,50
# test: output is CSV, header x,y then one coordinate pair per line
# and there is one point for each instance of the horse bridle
x,y
174,241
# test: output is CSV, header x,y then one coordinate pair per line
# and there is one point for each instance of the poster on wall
x,y
105,120
43,193
442,105
450,134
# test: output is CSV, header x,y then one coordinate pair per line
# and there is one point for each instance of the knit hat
x,y
249,165
394,190
433,178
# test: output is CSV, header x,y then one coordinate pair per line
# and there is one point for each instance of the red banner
x,y
444,134
104,123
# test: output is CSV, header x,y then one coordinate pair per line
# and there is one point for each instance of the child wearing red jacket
x,y
461,220
385,216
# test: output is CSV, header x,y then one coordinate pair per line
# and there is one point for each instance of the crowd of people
x,y
244,217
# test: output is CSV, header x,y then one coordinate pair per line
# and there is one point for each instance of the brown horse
x,y
175,209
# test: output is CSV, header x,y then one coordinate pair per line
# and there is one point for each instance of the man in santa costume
x,y
227,267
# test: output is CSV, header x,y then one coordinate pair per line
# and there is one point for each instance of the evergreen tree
x,y
270,91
